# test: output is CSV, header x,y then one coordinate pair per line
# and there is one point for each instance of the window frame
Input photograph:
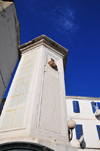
x,y
98,130
76,107
79,131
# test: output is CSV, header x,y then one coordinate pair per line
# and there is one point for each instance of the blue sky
x,y
75,24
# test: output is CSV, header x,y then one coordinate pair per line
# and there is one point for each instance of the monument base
x,y
23,141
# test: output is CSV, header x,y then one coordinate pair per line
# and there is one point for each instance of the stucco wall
x,y
9,40
87,118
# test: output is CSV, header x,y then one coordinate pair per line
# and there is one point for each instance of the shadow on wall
x,y
1,105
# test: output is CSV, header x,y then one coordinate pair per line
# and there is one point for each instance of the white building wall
x,y
87,118
9,41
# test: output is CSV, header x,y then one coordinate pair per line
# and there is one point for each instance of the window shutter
x,y
76,108
98,130
93,107
98,104
79,131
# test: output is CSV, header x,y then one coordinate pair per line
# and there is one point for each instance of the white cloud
x,y
70,14
61,17
63,20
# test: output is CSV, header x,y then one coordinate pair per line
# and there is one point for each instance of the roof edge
x,y
47,40
43,39
82,97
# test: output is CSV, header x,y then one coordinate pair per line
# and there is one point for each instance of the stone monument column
x,y
35,109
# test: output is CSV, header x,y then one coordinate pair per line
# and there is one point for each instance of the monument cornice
x,y
44,40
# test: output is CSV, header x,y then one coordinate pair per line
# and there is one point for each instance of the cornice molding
x,y
44,40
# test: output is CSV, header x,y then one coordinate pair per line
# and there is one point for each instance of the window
x,y
98,104
76,108
95,105
98,130
79,131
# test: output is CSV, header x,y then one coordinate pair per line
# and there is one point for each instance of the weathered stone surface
x,y
35,110
9,41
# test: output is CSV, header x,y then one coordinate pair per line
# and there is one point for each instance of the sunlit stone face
x,y
35,109
20,91
50,117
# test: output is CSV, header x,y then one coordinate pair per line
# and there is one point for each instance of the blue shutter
x,y
93,107
98,130
79,131
76,108
98,104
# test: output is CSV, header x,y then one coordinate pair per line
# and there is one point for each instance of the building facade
x,y
85,111
9,41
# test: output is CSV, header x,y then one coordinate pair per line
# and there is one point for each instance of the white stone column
x,y
35,109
